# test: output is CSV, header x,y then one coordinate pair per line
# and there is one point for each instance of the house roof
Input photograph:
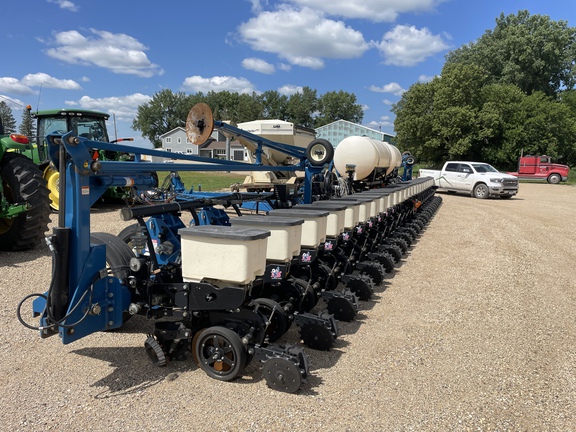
x,y
171,132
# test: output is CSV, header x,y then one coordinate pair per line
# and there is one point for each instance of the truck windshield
x,y
483,168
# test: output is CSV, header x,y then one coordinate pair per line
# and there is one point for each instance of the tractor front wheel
x,y
22,182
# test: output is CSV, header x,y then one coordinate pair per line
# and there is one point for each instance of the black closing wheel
x,y
155,352
362,286
220,353
282,375
317,336
319,152
341,308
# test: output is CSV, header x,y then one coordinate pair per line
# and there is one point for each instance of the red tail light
x,y
21,139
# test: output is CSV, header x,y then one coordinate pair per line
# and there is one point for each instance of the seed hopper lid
x,y
253,220
224,232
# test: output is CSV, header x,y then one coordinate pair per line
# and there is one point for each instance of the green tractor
x,y
24,202
84,123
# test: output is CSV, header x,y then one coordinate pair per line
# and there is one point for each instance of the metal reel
x,y
199,123
282,375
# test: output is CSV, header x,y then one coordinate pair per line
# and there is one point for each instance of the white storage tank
x,y
367,154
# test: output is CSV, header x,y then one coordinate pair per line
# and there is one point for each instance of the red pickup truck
x,y
541,168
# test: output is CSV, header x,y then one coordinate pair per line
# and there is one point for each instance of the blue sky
x,y
114,55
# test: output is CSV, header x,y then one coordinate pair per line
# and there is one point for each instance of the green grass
x,y
210,181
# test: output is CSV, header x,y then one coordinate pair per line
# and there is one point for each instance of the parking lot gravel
x,y
475,331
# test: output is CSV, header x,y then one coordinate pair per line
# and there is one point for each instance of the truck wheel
x,y
481,191
553,179
23,183
319,152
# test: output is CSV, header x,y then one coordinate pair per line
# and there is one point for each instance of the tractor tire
x,y
23,183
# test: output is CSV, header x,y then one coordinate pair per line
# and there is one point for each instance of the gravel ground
x,y
474,332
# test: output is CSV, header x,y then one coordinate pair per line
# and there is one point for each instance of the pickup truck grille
x,y
510,183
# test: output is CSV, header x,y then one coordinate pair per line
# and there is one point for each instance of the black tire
x,y
118,253
481,191
505,196
220,353
274,315
319,152
554,179
118,256
23,183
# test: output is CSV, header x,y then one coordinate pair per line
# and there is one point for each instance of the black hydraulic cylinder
x,y
58,294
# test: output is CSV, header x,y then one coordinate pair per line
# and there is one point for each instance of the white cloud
x,y
290,89
257,5
85,79
285,67
13,103
65,4
45,80
385,121
408,46
13,85
117,52
393,87
387,102
302,37
258,65
373,10
218,83
425,78
125,107
365,107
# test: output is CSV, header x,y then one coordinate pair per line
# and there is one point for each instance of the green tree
x,y
532,52
249,108
341,105
166,111
489,104
274,105
27,126
7,118
302,107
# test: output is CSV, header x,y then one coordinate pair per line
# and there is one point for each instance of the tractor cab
x,y
83,123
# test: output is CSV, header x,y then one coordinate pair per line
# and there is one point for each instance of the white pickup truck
x,y
478,179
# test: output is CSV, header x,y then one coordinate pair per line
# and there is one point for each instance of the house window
x,y
189,151
169,140
179,140
168,149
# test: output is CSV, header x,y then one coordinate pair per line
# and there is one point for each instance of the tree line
x,y
168,110
26,126
510,91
